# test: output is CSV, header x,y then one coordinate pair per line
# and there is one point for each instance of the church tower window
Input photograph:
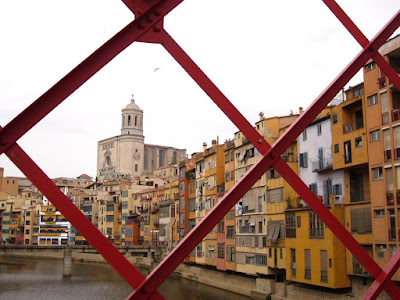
x,y
129,120
135,120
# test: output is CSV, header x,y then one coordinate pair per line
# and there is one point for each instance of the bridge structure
x,y
148,27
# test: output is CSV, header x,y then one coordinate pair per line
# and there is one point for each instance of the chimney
x,y
300,110
204,146
213,142
261,114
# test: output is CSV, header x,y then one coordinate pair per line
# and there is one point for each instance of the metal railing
x,y
148,26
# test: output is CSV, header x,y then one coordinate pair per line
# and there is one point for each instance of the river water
x,y
22,278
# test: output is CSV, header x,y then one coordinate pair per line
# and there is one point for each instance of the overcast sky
x,y
270,56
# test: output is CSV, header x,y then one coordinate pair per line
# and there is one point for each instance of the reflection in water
x,y
22,278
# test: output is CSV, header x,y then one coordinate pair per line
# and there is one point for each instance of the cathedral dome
x,y
132,105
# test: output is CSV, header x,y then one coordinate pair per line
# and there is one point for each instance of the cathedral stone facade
x,y
127,156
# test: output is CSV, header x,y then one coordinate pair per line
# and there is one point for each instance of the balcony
x,y
322,165
353,125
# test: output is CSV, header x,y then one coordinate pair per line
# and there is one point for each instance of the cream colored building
x,y
127,156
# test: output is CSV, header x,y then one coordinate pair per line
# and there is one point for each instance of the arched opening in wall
x,y
129,120
135,120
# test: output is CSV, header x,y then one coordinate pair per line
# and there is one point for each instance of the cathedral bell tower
x,y
132,120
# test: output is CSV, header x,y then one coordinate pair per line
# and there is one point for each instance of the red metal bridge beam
x,y
377,286
212,218
76,217
394,263
363,41
85,70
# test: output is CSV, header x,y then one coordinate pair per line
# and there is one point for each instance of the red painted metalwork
x,y
76,217
363,41
147,27
78,76
213,217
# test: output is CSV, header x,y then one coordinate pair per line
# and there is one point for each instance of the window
x,y
375,135
316,226
334,119
377,173
298,222
324,266
293,262
370,66
358,142
227,177
314,188
361,220
319,129
379,213
230,232
230,253
372,99
337,189
221,226
380,250
336,148
305,135
260,203
290,225
347,152
27,222
307,266
221,250
136,167
358,92
303,160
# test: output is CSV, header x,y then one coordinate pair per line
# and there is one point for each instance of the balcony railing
x,y
322,165
353,125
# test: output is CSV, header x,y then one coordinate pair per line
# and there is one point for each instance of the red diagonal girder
x,y
51,99
85,70
76,217
212,218
363,41
271,153
393,265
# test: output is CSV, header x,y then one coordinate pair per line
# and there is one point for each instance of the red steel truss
x,y
148,27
